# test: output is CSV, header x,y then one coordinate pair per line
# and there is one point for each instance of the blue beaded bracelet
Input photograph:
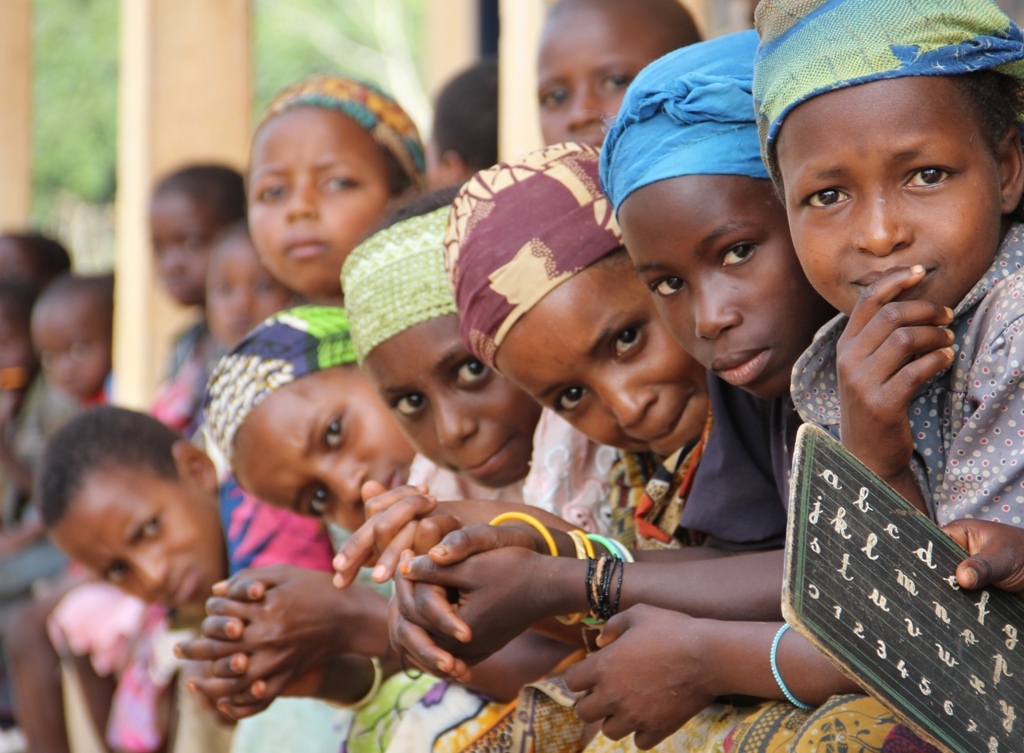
x,y
778,678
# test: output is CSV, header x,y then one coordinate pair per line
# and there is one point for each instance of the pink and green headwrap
x,y
368,105
519,230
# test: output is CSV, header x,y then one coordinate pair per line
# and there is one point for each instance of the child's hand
x,y
499,597
266,628
889,350
997,554
632,693
396,520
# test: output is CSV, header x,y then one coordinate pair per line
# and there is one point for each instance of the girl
x,y
329,157
189,208
589,52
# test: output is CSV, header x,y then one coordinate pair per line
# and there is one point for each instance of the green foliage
x,y
74,100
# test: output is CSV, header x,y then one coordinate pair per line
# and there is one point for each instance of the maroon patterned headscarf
x,y
519,230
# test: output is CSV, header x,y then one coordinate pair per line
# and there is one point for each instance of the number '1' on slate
x,y
871,582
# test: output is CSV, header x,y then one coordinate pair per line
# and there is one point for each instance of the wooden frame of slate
x,y
871,583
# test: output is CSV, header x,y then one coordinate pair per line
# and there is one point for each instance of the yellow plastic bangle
x,y
378,678
531,521
577,541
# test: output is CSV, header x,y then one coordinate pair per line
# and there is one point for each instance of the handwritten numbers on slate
x,y
872,583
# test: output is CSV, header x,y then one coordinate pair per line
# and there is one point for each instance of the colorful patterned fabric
x,y
260,535
843,724
688,113
809,47
519,230
396,280
979,399
902,739
706,732
285,347
365,103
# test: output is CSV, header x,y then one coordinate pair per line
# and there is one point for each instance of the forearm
x,y
742,652
20,473
366,634
525,659
744,587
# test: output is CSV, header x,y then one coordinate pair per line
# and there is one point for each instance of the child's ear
x,y
1011,170
194,465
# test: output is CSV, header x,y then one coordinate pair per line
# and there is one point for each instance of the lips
x,y
306,247
397,478
188,584
740,369
490,465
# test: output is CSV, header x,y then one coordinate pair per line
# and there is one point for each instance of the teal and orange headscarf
x,y
369,106
287,346
810,47
517,231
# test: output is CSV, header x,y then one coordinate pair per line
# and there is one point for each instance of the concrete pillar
x,y
185,96
519,117
450,40
16,122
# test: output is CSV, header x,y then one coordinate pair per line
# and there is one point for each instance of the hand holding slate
x,y
879,589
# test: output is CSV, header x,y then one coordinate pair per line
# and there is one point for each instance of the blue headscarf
x,y
688,113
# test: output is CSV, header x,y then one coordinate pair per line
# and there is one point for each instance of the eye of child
x,y
270,193
552,98
340,184
827,198
332,435
151,527
116,572
929,176
472,371
318,501
667,286
626,340
407,405
570,398
737,254
616,81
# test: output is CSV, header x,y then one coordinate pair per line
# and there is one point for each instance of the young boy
x,y
464,138
590,50
32,258
72,332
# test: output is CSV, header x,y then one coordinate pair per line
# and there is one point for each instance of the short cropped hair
x,y
16,301
421,205
103,438
466,116
217,188
48,257
668,20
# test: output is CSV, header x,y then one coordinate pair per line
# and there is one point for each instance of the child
x,y
72,331
32,258
240,292
329,157
929,304
455,411
464,138
589,52
111,471
189,207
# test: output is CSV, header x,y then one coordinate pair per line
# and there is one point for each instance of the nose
x,y
349,476
585,110
454,425
713,314
151,570
882,226
629,403
301,202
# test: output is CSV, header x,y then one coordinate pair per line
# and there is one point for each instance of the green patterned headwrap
x,y
395,280
287,346
811,47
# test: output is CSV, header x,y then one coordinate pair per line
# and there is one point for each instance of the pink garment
x,y
568,477
97,620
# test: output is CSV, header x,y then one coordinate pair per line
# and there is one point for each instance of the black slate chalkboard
x,y
870,581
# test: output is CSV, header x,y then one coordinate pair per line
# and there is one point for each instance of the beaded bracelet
x,y
778,677
598,585
531,521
